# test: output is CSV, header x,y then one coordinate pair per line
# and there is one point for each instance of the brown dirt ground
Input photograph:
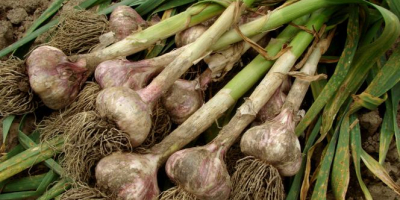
x,y
370,125
16,17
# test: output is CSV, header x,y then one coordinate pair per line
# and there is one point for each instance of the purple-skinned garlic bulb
x,y
272,108
185,97
53,77
142,169
201,171
134,75
182,100
131,176
124,20
119,104
189,35
274,142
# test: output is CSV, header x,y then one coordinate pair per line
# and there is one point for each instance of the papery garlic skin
x,y
275,143
130,176
201,171
125,107
53,77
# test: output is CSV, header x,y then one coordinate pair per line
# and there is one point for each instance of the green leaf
x,y
369,36
148,6
48,13
394,6
318,86
137,3
341,164
47,180
294,191
339,75
325,164
29,143
387,131
18,195
124,2
23,184
355,152
396,101
28,38
7,122
158,48
168,46
19,148
60,187
103,5
87,4
363,61
30,157
172,4
386,78
321,186
379,171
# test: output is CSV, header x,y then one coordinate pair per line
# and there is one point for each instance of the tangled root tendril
x,y
159,130
54,125
176,193
254,179
17,97
78,31
81,191
232,156
88,138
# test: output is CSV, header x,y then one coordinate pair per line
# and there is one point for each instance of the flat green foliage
x,y
294,191
336,79
395,103
356,149
394,6
22,184
364,59
7,122
57,189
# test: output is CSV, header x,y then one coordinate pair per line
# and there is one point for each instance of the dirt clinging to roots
x,y
53,125
80,191
17,97
161,127
87,137
78,31
234,154
177,193
254,179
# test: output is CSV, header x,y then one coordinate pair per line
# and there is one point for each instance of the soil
x,y
370,121
16,17
370,125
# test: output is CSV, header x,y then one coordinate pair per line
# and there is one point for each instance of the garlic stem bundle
x,y
274,143
210,180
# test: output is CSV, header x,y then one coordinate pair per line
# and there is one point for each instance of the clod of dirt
x,y
28,5
380,191
377,188
370,121
371,145
6,34
17,15
393,155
